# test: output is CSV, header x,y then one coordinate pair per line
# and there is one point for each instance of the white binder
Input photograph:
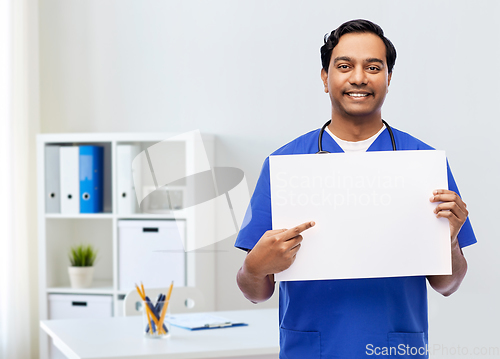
x,y
151,252
52,180
126,198
70,181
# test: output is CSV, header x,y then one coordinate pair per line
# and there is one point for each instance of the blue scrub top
x,y
346,318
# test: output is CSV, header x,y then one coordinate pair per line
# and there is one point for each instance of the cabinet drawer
x,y
151,252
67,306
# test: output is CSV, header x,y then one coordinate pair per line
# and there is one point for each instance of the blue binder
x,y
91,179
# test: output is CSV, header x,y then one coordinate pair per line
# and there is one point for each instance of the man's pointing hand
x,y
276,250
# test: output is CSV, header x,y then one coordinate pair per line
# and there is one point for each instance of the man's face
x,y
357,78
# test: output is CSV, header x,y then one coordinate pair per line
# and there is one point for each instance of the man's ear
x,y
324,78
389,80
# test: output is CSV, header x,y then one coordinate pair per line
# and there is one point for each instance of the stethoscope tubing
x,y
320,137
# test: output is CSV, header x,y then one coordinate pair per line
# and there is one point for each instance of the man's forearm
x,y
448,284
255,287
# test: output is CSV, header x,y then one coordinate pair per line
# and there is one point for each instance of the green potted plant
x,y
81,271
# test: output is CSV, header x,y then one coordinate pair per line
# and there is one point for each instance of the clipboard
x,y
202,321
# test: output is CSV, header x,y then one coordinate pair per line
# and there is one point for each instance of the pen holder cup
x,y
155,319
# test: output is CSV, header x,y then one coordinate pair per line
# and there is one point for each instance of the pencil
x,y
164,310
148,311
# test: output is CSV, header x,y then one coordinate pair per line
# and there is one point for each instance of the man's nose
x,y
358,76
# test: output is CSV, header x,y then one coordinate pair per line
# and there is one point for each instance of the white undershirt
x,y
358,146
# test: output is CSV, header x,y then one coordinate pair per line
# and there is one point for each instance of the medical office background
x,y
248,72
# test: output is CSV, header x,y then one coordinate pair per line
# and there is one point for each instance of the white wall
x,y
248,72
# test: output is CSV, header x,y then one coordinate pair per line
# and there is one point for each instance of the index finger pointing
x,y
295,231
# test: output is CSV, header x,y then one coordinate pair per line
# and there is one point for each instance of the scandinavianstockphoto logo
x,y
435,350
349,190
175,176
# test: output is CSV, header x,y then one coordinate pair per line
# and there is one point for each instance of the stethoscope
x,y
320,137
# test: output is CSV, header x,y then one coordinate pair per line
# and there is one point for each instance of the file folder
x,y
70,183
126,197
52,180
200,321
91,179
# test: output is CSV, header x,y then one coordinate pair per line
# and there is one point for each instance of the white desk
x,y
122,337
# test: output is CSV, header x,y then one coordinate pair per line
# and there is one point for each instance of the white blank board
x,y
372,212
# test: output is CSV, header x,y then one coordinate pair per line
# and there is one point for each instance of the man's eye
x,y
343,67
373,68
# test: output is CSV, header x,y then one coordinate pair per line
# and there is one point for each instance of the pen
x,y
218,325
156,310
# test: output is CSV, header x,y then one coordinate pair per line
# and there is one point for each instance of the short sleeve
x,y
466,236
258,218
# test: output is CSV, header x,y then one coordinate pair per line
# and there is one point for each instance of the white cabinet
x,y
118,231
64,306
151,252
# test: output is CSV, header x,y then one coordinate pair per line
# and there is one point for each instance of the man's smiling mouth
x,y
358,94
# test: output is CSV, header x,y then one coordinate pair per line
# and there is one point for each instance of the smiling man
x,y
357,78
348,318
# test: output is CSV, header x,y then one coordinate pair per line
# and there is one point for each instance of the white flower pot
x,y
81,277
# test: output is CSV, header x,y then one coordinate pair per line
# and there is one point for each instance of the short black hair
x,y
331,40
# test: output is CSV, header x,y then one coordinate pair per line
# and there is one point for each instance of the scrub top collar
x,y
381,143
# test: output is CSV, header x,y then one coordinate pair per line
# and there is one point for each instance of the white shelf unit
x,y
57,232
